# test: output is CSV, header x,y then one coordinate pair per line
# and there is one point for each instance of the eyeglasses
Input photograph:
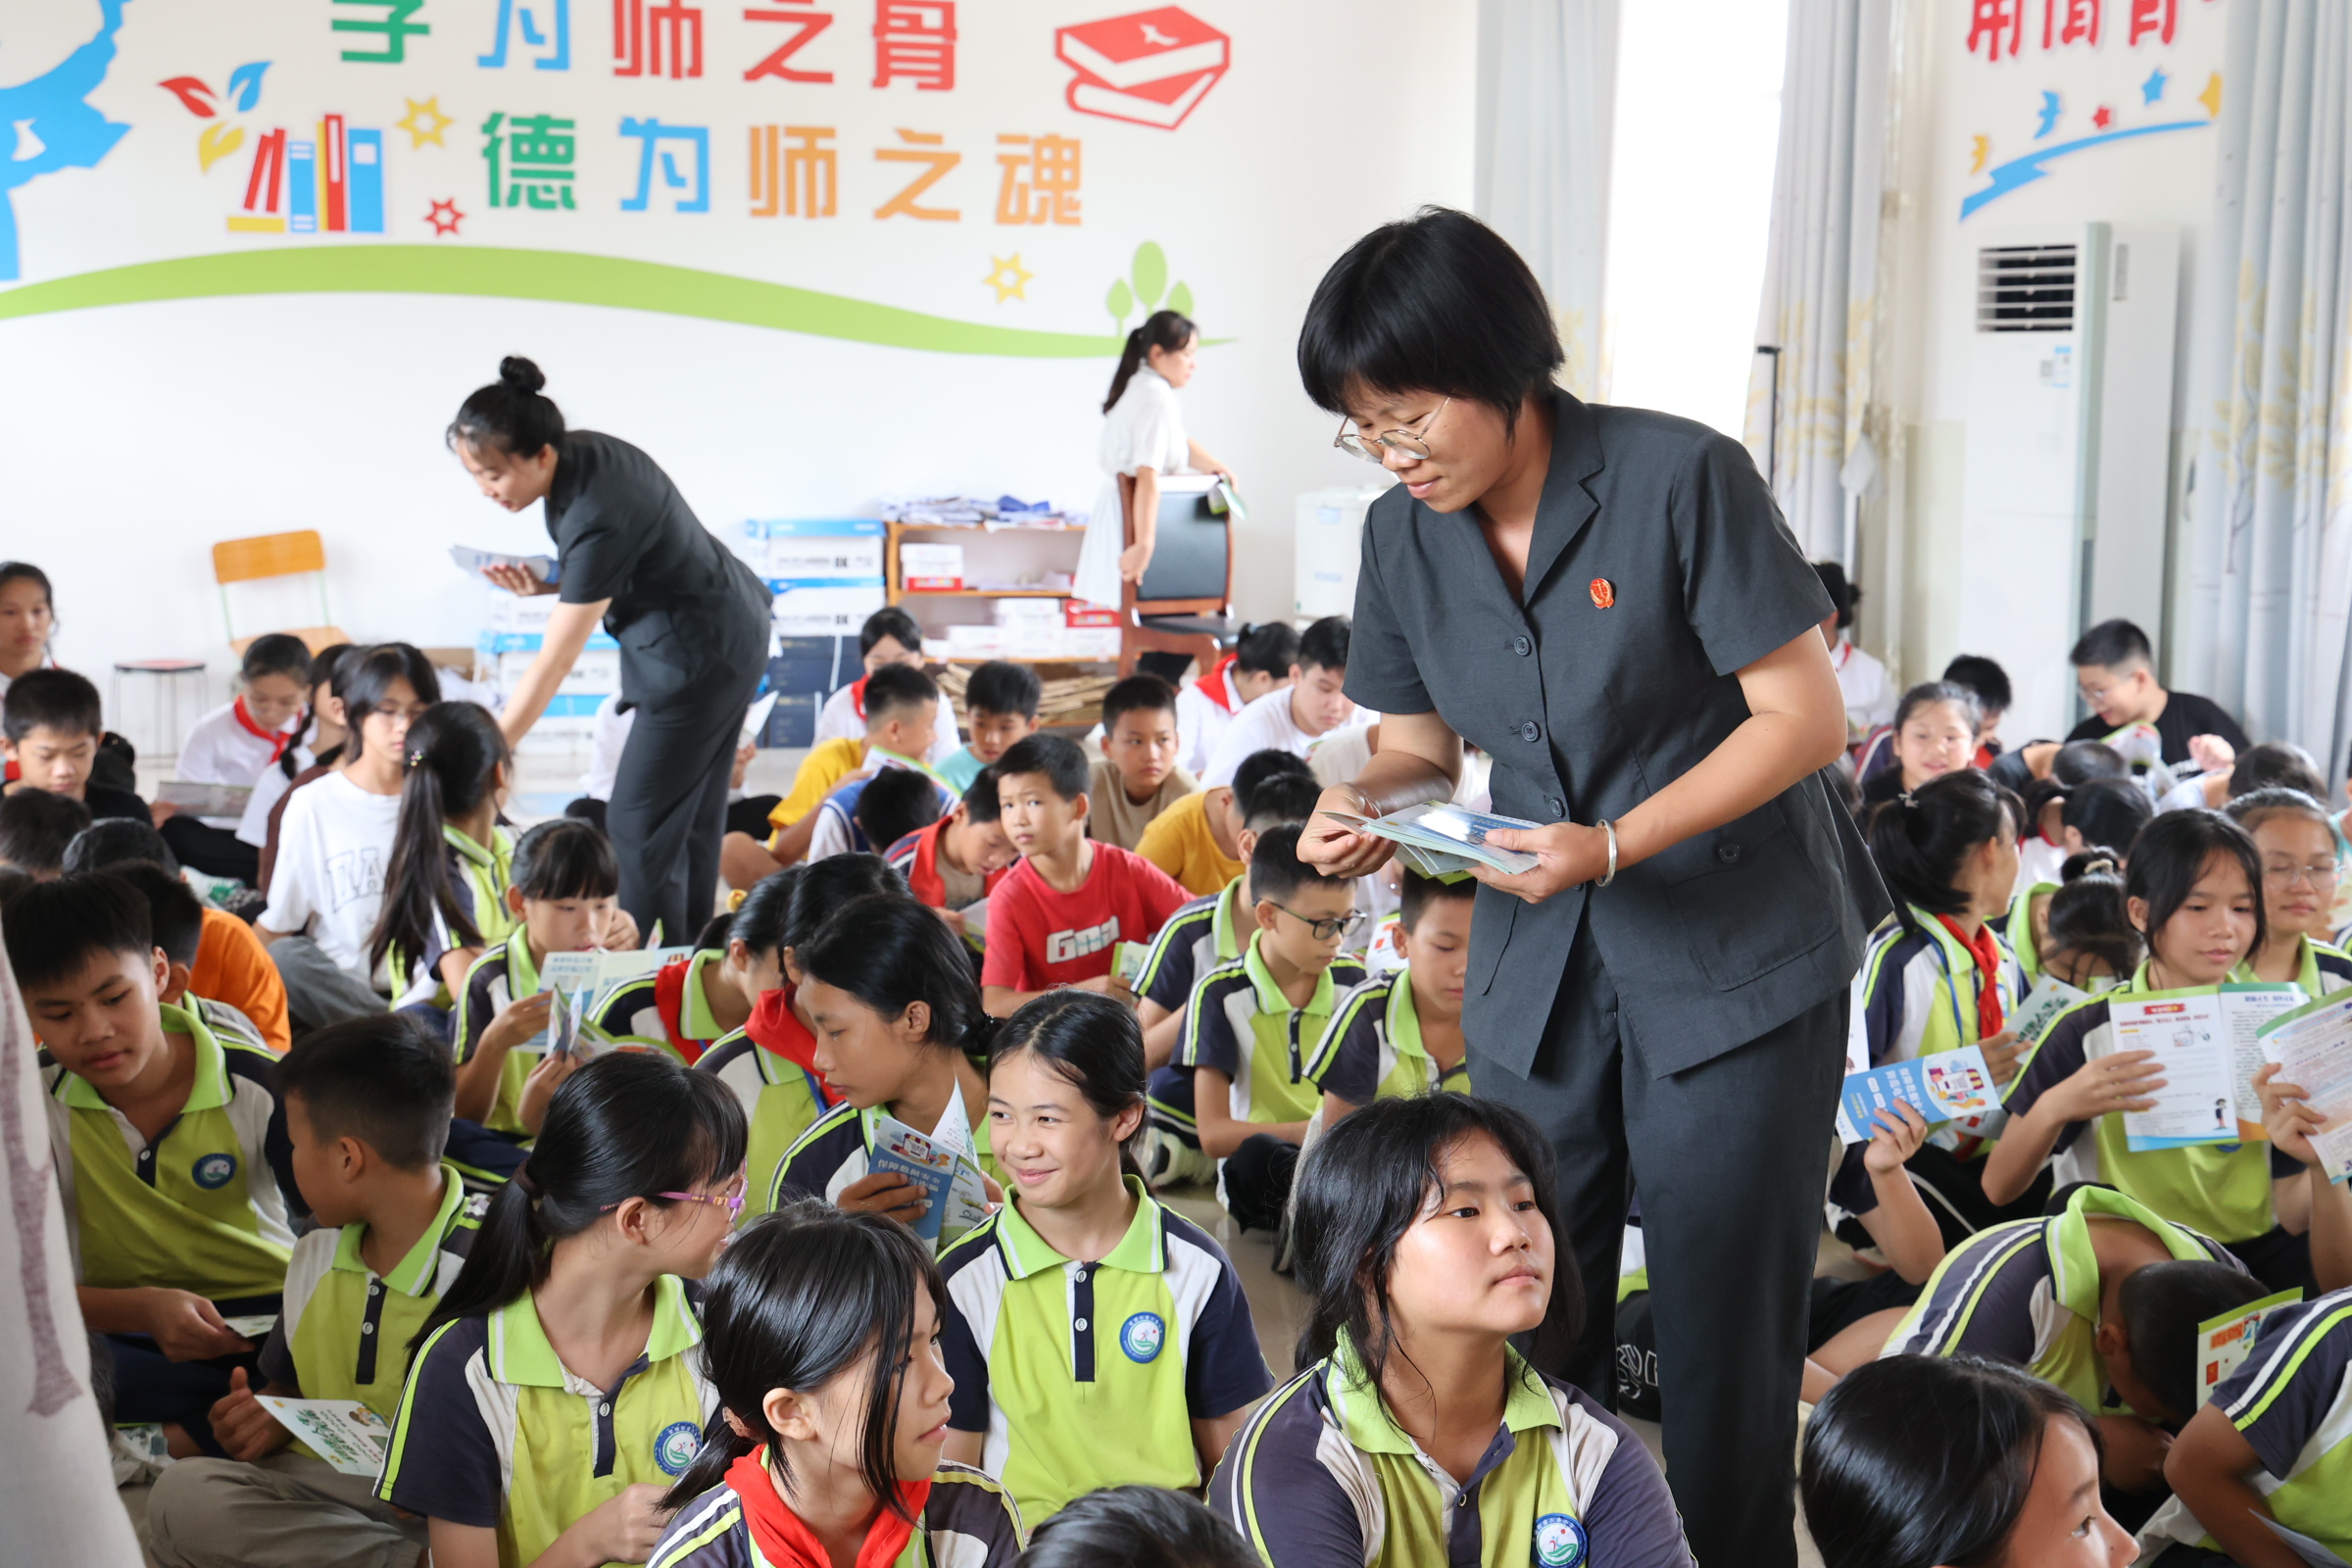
x,y
2318,875
1413,444
1329,930
731,1200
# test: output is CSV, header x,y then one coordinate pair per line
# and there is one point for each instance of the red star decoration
x,y
2104,117
445,217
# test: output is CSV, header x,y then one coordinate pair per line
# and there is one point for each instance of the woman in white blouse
x,y
1143,438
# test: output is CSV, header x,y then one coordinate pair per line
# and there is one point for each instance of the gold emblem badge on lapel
x,y
1604,593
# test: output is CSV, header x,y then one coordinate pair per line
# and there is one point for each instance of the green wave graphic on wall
x,y
565,276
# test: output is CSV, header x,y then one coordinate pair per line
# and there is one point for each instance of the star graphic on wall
x,y
445,217
2050,111
1010,278
424,121
2153,88
2211,97
1979,149
2104,117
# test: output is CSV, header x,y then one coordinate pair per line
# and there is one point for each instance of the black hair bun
x,y
520,373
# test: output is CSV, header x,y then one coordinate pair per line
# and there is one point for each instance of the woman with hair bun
x,y
1143,439
692,622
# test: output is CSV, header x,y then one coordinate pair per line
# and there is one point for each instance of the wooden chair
x,y
1184,604
275,554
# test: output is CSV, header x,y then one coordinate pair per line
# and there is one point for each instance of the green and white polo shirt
x,y
1089,1374
834,1153
1195,939
229,1024
494,1431
2321,969
343,1331
630,1015
781,1100
202,1208
1323,1475
504,972
968,1521
1240,1023
2027,1293
1373,1048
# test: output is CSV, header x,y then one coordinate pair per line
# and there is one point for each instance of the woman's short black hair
x,y
1137,1527
1366,1182
1438,303
276,652
509,415
1919,1461
565,858
2170,854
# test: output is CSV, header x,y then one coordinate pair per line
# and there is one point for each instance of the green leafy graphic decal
x,y
1146,280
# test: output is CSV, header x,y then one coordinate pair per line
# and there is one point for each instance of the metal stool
x,y
160,742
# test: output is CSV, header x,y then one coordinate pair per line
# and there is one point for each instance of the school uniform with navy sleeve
x,y
666,1011
494,1431
838,830
489,1151
1197,938
966,1520
835,1150
1086,1374
1373,1048
2322,968
781,1100
478,878
1323,1477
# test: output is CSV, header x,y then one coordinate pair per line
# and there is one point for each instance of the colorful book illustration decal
x,y
332,183
1150,68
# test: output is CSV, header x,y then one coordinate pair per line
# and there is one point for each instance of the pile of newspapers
x,y
1443,840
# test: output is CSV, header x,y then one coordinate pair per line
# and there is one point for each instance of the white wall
x,y
133,436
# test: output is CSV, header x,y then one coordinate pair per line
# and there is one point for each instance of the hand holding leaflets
x,y
544,569
1947,1086
1439,839
345,1433
2195,1053
2308,1099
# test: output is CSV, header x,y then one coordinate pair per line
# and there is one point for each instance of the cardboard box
x,y
594,671
1079,612
836,557
819,608
930,569
1026,612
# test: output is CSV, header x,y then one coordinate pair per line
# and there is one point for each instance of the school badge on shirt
x,y
1141,1336
674,1449
1604,593
215,1171
1559,1542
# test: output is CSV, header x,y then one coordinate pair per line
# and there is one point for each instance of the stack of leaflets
x,y
947,1174
472,561
1439,839
2313,1047
1947,1086
2206,1044
597,974
204,800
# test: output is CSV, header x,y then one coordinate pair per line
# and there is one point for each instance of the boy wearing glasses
x,y
1060,913
1254,1027
2115,669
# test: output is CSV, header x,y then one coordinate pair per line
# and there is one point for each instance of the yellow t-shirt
x,y
821,771
1179,843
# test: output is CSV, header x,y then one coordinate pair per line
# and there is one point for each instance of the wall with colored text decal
x,y
804,252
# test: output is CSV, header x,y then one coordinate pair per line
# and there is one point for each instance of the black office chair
x,y
1184,604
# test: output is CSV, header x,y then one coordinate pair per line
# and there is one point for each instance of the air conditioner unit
x,y
2067,484
1328,545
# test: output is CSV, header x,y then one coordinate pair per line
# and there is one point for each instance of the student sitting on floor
x,y
2292,832
2047,1294
1137,1527
1095,1335
566,888
901,708
233,745
2005,1471
176,919
1294,718
368,1109
690,1003
447,880
869,814
1415,1431
1000,702
1261,660
958,861
1197,841
231,968
898,1026
2115,668
1061,912
1138,777
822,1343
1400,1033
1935,733
889,638
1938,976
2290,1120
2195,891
170,1148
1252,1026
558,1387
35,827
2102,812
319,745
2274,1442
50,727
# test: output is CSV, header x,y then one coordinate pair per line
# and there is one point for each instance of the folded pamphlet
x,y
1127,960
2313,1047
597,973
2223,1342
950,1178
2205,1043
254,1326
204,800
1946,1086
1443,840
2042,1005
472,561
345,1433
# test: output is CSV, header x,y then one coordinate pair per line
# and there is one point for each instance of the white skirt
x,y
1096,580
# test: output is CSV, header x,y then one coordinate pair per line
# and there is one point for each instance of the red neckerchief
x,y
916,858
775,1027
1217,684
279,739
857,695
669,1001
784,1540
1987,951
1840,654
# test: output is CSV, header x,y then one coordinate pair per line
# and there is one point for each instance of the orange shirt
x,y
232,966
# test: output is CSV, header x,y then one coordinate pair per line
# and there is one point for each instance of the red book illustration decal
x,y
337,176
1150,68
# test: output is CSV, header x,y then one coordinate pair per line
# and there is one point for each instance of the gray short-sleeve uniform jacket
x,y
1660,568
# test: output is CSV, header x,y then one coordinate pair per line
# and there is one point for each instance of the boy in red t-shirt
x,y
1061,911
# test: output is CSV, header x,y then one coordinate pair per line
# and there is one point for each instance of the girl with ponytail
x,y
446,881
821,1343
558,1387
896,1010
1142,440
1085,1257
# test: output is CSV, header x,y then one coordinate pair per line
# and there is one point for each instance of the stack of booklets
x,y
1152,67
1439,839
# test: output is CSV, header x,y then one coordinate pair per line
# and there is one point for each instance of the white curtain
x,y
1547,102
1821,272
2269,547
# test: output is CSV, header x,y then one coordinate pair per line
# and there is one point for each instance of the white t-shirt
x,y
273,782
332,846
1869,694
220,749
840,718
1201,724
1266,725
1144,429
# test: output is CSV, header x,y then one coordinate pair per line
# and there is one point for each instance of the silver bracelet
x,y
1610,828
